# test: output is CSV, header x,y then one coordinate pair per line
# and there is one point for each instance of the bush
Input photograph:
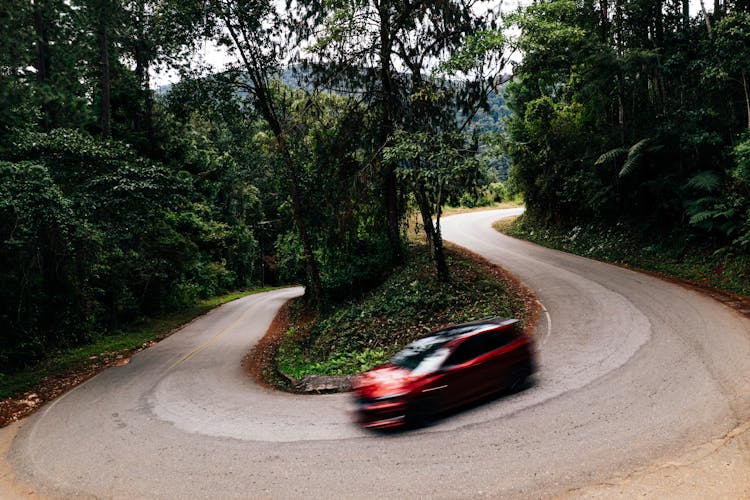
x,y
43,299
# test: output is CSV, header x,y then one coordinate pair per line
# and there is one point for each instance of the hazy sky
x,y
217,58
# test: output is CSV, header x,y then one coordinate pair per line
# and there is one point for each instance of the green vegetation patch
x,y
361,334
724,270
88,358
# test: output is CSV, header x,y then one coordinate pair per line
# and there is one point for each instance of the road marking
x,y
214,338
549,323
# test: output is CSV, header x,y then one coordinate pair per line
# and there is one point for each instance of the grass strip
x,y
723,270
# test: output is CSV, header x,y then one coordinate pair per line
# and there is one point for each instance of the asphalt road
x,y
633,371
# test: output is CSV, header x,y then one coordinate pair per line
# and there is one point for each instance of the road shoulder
x,y
718,469
9,489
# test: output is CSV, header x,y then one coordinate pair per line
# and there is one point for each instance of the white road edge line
x,y
549,323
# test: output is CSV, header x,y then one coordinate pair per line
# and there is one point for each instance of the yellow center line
x,y
215,337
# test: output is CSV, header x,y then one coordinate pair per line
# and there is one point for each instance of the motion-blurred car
x,y
444,370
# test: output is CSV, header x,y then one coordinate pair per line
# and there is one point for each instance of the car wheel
x,y
520,377
423,412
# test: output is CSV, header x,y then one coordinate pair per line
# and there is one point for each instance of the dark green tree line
x,y
119,202
634,112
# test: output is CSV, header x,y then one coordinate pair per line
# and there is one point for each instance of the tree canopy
x,y
636,113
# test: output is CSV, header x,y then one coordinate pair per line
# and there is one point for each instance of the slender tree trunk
x,y
263,100
685,14
390,187
142,55
434,239
258,72
42,54
106,82
604,21
705,16
747,98
140,67
620,76
659,24
310,265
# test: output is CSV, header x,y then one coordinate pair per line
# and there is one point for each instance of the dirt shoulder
x,y
718,469
9,489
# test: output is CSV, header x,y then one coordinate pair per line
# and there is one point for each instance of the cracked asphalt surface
x,y
633,372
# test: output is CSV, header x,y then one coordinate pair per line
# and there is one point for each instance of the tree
x,y
431,165
629,112
252,31
732,39
387,53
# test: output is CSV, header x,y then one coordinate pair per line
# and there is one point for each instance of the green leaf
x,y
705,181
635,156
611,156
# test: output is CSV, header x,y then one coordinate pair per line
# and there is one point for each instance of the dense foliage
x,y
119,202
300,160
635,112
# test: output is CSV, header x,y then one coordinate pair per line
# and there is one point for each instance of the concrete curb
x,y
321,384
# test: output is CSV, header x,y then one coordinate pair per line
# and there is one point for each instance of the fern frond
x,y
703,216
705,181
611,156
635,155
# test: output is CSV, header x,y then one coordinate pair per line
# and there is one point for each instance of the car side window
x,y
480,344
469,349
498,339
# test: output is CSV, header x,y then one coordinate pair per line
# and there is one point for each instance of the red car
x,y
444,370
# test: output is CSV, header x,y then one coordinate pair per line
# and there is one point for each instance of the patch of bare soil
x,y
260,358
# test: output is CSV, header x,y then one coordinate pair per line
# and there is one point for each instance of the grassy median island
x,y
724,270
358,335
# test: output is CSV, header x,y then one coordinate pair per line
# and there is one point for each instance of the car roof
x,y
467,329
442,337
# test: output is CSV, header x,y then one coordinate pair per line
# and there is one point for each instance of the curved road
x,y
633,371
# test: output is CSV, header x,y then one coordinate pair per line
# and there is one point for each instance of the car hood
x,y
383,381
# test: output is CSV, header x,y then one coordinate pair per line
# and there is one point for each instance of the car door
x,y
464,374
506,358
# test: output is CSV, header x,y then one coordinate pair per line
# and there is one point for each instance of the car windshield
x,y
417,352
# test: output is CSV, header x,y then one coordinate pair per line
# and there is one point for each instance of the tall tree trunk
x,y
604,20
685,14
42,54
659,24
257,71
620,76
390,187
311,266
106,82
747,98
434,238
142,55
705,16
263,100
